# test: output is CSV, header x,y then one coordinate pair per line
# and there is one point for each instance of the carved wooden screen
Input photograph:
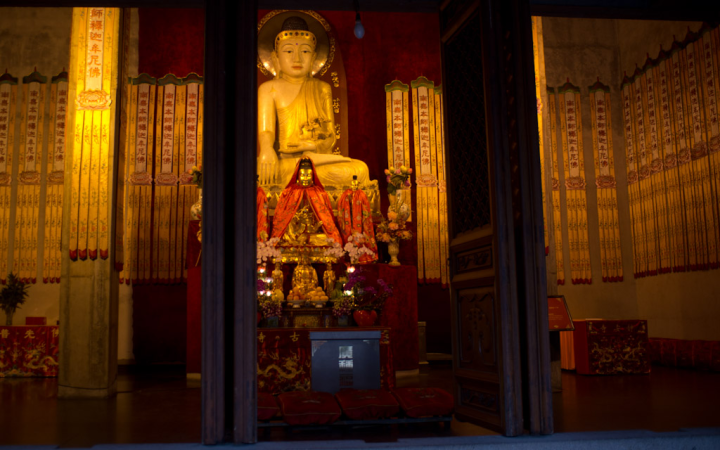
x,y
484,357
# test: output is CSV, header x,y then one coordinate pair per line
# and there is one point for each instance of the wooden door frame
x,y
229,332
514,179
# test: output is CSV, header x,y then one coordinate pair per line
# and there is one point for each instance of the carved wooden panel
x,y
476,328
466,130
475,398
475,259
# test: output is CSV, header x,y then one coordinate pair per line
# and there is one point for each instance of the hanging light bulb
x,y
359,28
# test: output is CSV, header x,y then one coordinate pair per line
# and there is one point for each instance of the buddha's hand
x,y
307,146
267,165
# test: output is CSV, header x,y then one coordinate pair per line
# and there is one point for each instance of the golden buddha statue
x,y
295,110
304,277
303,229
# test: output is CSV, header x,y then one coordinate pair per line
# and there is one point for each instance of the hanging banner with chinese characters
x,y
655,162
571,132
707,256
636,212
170,121
398,124
610,247
691,198
539,64
428,238
442,187
709,68
27,207
8,105
93,83
54,177
675,206
397,113
139,141
557,210
165,121
644,157
190,156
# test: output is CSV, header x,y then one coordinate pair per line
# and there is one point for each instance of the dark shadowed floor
x,y
161,406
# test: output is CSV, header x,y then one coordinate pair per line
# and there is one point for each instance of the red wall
x,y
400,46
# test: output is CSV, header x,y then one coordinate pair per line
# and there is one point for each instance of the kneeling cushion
x,y
267,406
423,402
309,408
367,404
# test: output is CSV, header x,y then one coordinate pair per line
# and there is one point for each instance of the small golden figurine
x,y
277,275
329,279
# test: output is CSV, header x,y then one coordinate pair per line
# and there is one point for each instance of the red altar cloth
x,y
605,347
285,358
194,294
29,351
400,312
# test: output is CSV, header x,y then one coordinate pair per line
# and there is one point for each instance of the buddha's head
x,y
305,175
295,48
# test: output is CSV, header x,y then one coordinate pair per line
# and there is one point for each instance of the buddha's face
x,y
296,56
305,177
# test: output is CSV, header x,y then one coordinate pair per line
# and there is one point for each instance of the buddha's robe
x,y
292,197
312,106
355,216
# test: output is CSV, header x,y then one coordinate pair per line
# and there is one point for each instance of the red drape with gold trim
x,y
291,198
354,216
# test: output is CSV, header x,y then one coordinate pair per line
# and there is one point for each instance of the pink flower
x,y
407,183
388,178
392,215
398,172
393,226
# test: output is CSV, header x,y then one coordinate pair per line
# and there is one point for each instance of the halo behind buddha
x,y
271,25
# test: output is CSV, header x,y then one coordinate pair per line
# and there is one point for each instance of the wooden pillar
x,y
228,269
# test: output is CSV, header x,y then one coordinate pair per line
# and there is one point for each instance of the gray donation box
x,y
345,359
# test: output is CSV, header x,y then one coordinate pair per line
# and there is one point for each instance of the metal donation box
x,y
345,359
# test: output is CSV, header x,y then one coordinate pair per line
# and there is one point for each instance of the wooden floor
x,y
162,406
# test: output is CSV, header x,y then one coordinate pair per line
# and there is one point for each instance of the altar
x,y
319,218
285,358
399,316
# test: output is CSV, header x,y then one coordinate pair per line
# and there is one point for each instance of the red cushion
x,y
367,404
267,406
309,408
423,402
